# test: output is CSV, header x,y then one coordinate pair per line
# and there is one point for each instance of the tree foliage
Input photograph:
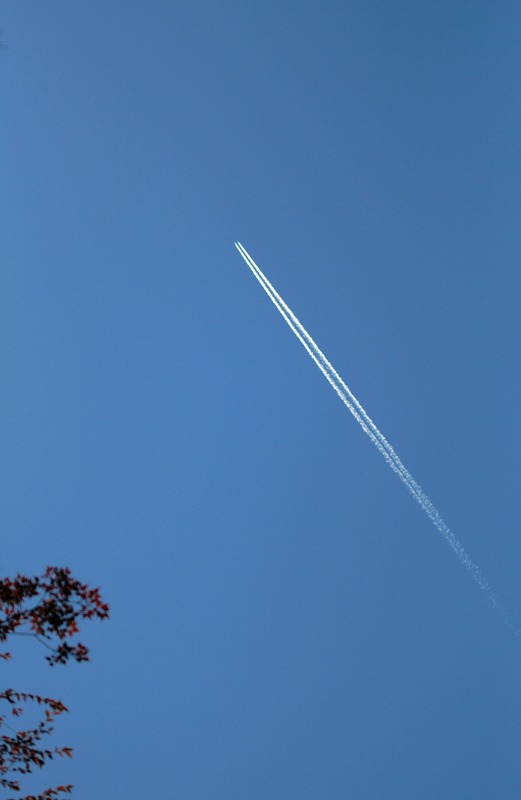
x,y
48,608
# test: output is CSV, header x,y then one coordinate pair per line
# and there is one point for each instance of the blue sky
x,y
286,623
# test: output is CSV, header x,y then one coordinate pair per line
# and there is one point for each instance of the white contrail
x,y
351,400
369,427
328,366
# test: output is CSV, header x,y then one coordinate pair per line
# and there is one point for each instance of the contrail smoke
x,y
375,435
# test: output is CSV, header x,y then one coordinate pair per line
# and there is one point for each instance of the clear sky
x,y
286,623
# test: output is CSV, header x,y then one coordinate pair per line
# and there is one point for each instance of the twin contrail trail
x,y
375,435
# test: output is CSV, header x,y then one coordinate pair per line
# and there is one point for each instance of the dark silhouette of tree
x,y
48,608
